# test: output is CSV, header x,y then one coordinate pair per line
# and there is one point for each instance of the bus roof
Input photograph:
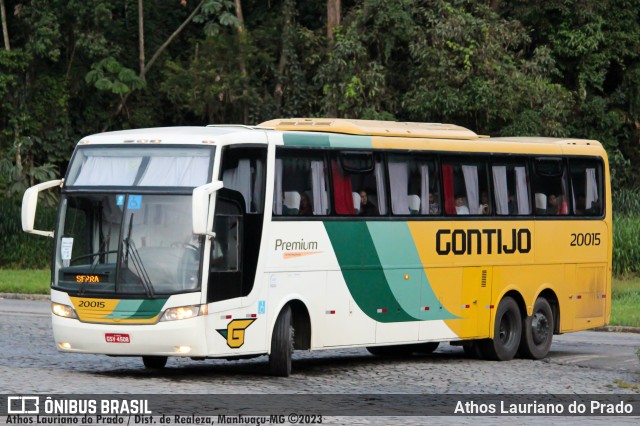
x,y
173,135
372,128
347,133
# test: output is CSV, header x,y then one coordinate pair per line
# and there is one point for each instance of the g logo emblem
x,y
235,332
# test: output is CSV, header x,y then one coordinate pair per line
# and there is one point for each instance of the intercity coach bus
x,y
235,241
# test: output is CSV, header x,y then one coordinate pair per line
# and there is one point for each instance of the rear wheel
x,y
537,332
282,345
507,332
154,362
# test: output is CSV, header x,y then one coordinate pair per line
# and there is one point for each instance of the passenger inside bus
x,y
306,209
461,207
434,206
367,208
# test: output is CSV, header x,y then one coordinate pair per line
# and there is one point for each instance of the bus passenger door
x,y
225,266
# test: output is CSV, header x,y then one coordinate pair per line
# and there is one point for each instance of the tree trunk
x,y
5,28
287,16
333,18
242,62
141,59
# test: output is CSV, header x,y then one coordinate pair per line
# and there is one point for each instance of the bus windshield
x,y
124,243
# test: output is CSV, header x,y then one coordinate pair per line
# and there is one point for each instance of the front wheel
x,y
282,345
537,331
507,330
154,362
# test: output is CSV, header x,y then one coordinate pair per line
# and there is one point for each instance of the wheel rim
x,y
539,328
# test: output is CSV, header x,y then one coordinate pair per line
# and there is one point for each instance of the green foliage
x,y
626,202
21,250
109,75
626,245
625,299
215,15
626,231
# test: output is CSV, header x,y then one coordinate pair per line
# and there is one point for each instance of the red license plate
x,y
117,338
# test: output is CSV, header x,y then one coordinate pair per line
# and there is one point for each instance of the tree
x,y
333,18
5,28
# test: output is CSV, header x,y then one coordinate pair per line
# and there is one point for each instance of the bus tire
x,y
282,345
507,332
154,362
537,331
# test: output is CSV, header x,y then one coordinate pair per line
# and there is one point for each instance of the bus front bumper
x,y
169,338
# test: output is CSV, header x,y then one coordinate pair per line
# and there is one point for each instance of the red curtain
x,y
342,192
447,180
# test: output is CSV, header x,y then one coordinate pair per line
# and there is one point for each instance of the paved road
x,y
580,363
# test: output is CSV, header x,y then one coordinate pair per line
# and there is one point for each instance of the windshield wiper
x,y
136,261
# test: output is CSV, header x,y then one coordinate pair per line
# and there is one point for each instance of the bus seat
x,y
291,203
541,203
414,204
356,202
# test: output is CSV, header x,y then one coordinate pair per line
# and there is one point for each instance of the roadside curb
x,y
20,296
618,329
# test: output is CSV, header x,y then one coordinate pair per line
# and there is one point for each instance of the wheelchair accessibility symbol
x,y
135,202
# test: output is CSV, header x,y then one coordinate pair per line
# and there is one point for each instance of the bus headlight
x,y
63,311
184,312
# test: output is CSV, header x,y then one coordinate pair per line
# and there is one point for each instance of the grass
x,y
625,301
26,281
625,297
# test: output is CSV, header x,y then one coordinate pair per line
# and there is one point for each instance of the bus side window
x,y
466,186
586,187
358,177
415,188
243,170
300,184
511,188
550,179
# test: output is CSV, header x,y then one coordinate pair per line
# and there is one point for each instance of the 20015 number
x,y
91,304
588,239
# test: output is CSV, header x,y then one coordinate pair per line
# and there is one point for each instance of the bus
x,y
233,242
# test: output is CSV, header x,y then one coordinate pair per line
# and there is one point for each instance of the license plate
x,y
117,338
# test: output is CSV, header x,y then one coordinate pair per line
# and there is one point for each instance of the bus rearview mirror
x,y
200,206
30,204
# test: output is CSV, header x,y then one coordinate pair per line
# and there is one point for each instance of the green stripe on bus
x,y
149,308
327,140
348,141
362,271
137,309
404,271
